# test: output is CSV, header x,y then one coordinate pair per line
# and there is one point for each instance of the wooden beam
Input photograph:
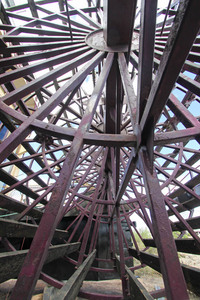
x,y
181,38
169,262
146,52
16,206
33,8
137,290
53,212
111,94
3,15
10,180
182,245
11,228
186,205
11,262
183,114
191,274
189,83
193,222
128,89
118,21
70,290
190,184
130,168
177,136
85,17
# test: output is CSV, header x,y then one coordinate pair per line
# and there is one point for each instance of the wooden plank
x,y
193,222
186,205
182,245
191,274
137,290
158,294
11,228
10,180
189,83
70,290
16,206
191,183
11,262
117,264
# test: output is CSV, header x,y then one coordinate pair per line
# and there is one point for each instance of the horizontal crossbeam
x,y
11,263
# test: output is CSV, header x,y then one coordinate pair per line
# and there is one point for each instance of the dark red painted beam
x,y
39,247
146,51
169,262
118,21
183,245
182,36
191,274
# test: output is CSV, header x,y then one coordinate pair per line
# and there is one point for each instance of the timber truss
x,y
99,123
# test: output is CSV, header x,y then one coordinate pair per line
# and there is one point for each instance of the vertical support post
x,y
92,209
3,16
111,95
118,24
145,66
110,122
121,254
169,262
33,8
146,52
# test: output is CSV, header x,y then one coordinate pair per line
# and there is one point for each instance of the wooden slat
x,y
193,222
137,290
70,290
186,205
11,228
10,180
16,206
11,262
182,245
191,274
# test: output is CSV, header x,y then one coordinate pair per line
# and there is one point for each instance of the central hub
x,y
96,40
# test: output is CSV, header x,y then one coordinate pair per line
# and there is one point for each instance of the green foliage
x,y
145,233
176,234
